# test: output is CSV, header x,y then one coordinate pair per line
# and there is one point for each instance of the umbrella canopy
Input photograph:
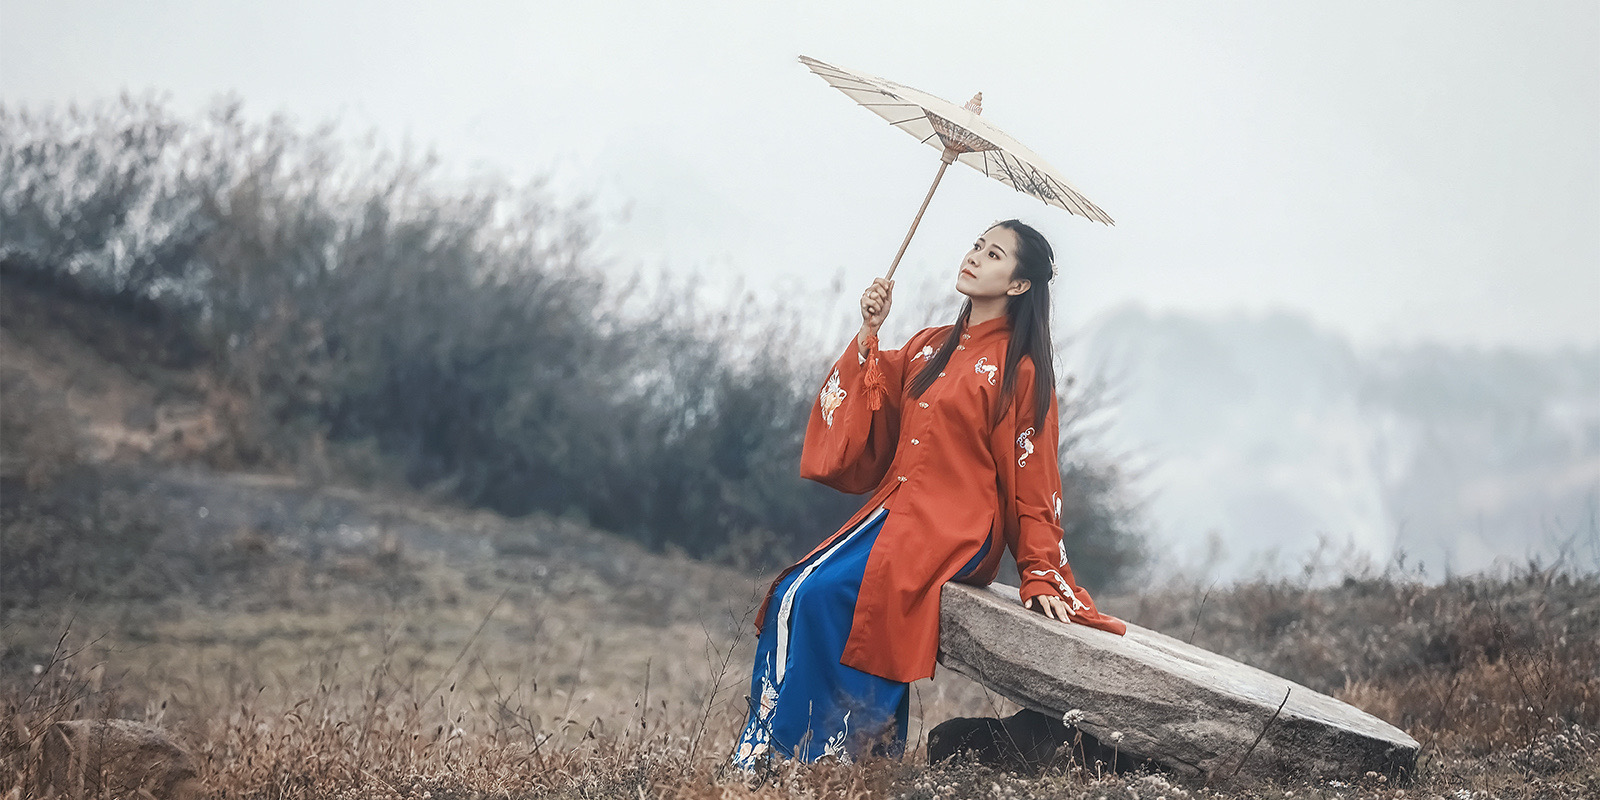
x,y
960,134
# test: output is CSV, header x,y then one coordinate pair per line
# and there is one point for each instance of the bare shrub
x,y
355,308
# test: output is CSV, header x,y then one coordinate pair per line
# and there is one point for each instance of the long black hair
x,y
1029,315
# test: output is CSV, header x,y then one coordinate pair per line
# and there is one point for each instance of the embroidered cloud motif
x,y
1066,589
1025,444
831,398
983,367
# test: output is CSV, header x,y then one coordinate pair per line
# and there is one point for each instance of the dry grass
x,y
309,642
457,687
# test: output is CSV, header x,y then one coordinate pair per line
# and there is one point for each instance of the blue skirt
x,y
804,704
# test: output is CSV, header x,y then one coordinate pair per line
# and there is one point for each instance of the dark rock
x,y
115,757
1026,742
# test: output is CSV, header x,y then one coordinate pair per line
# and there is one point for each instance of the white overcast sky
x,y
1397,171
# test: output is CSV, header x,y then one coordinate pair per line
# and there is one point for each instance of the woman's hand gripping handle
x,y
875,302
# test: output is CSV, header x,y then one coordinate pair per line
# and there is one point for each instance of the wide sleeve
x,y
1041,555
855,420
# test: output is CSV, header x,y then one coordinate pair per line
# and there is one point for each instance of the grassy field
x,y
309,642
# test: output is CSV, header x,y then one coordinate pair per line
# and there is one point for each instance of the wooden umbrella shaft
x,y
943,163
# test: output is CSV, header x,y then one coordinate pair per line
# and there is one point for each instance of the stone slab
x,y
1188,708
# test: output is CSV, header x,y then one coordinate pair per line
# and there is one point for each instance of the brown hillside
x,y
86,383
308,640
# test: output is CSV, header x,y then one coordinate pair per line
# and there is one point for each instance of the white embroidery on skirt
x,y
831,398
769,698
756,741
983,367
1026,447
835,744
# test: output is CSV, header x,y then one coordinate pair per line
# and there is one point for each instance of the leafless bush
x,y
354,309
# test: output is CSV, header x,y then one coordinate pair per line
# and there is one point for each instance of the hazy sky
x,y
1395,170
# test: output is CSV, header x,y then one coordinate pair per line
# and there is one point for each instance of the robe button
x,y
961,347
941,374
902,478
924,405
916,441
966,336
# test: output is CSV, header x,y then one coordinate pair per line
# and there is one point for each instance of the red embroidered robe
x,y
950,480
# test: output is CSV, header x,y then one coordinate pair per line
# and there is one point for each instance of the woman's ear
x,y
1019,286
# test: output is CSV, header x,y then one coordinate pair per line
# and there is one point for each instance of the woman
x,y
955,436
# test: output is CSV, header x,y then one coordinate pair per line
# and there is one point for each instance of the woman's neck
x,y
987,308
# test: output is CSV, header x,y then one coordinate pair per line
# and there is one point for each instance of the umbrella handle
x,y
943,163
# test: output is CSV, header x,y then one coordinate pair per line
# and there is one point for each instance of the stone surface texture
x,y
1190,709
116,758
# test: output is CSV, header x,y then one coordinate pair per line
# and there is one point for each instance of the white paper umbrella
x,y
959,134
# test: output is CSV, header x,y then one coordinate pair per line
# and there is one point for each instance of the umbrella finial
x,y
975,105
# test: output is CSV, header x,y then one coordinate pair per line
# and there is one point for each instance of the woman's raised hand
x,y
875,302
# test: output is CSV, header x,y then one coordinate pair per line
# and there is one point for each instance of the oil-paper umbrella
x,y
960,135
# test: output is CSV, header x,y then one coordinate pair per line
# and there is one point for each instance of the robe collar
x,y
999,327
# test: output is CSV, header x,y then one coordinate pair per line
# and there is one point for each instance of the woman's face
x,y
987,268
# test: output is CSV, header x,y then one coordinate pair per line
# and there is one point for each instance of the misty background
x,y
1353,295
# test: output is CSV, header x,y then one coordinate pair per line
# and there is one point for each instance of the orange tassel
x,y
873,381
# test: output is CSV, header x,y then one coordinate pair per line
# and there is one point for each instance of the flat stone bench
x,y
1189,709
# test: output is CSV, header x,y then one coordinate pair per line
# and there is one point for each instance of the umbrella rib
x,y
863,84
1079,200
988,155
819,66
1029,179
1070,195
1082,203
843,77
1020,179
1036,180
1077,203
1005,168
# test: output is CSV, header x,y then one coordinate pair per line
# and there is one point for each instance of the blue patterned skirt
x,y
804,704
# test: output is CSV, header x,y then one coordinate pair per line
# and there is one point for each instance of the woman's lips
x,y
967,272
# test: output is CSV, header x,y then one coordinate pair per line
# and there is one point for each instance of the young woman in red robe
x,y
955,436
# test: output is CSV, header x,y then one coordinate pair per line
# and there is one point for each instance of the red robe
x,y
951,481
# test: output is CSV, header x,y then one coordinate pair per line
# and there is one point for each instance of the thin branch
x,y
1262,734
